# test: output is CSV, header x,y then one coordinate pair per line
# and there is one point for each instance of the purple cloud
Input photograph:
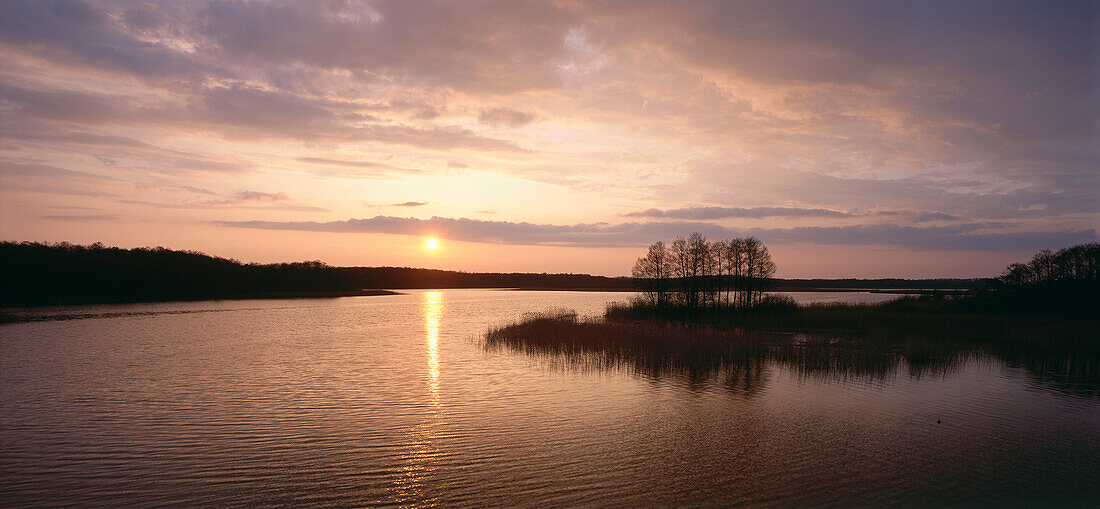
x,y
971,237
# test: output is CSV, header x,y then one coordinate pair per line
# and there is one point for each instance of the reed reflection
x,y
701,355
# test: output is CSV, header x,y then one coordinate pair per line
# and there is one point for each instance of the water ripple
x,y
392,401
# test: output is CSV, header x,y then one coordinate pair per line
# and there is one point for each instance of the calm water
x,y
393,400
850,297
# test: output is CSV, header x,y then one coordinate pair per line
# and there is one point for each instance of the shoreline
x,y
250,296
381,292
784,289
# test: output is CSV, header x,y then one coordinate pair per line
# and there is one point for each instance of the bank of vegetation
x,y
37,274
706,308
695,280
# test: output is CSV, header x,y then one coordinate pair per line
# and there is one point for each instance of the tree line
x,y
34,273
696,273
1079,263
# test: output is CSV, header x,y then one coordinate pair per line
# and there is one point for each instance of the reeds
x,y
832,340
654,348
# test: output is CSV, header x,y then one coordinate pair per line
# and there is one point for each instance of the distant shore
x,y
316,295
245,296
898,291
40,274
21,314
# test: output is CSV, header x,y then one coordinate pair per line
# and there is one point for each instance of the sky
x,y
856,139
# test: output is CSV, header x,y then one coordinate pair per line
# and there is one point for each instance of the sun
x,y
431,244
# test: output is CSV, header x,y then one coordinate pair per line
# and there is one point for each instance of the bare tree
x,y
698,254
732,273
681,271
653,270
751,245
763,272
1077,263
722,272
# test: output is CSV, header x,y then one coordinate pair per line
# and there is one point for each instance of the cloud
x,y
704,213
473,230
261,112
35,177
381,169
249,200
402,204
949,195
711,213
224,204
64,105
81,33
123,151
474,48
248,112
969,237
89,217
33,169
435,138
237,112
917,216
919,114
56,136
507,117
959,237
251,196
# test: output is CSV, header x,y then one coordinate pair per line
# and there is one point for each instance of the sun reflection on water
x,y
433,311
423,450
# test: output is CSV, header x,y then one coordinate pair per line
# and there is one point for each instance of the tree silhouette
x,y
732,273
654,271
1079,263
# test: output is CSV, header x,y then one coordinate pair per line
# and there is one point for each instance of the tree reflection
x,y
699,356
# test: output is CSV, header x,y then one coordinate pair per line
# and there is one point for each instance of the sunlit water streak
x,y
423,450
392,400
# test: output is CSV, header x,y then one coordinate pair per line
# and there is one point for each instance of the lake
x,y
393,400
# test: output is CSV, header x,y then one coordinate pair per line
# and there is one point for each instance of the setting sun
x,y
431,244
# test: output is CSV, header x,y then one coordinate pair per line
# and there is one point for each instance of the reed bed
x,y
835,341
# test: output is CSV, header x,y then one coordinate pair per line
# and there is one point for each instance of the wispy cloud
x,y
88,217
251,196
508,117
925,115
712,213
703,213
223,204
971,237
917,216
250,200
404,204
380,169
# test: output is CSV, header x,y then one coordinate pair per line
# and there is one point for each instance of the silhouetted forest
x,y
695,274
1064,283
33,274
